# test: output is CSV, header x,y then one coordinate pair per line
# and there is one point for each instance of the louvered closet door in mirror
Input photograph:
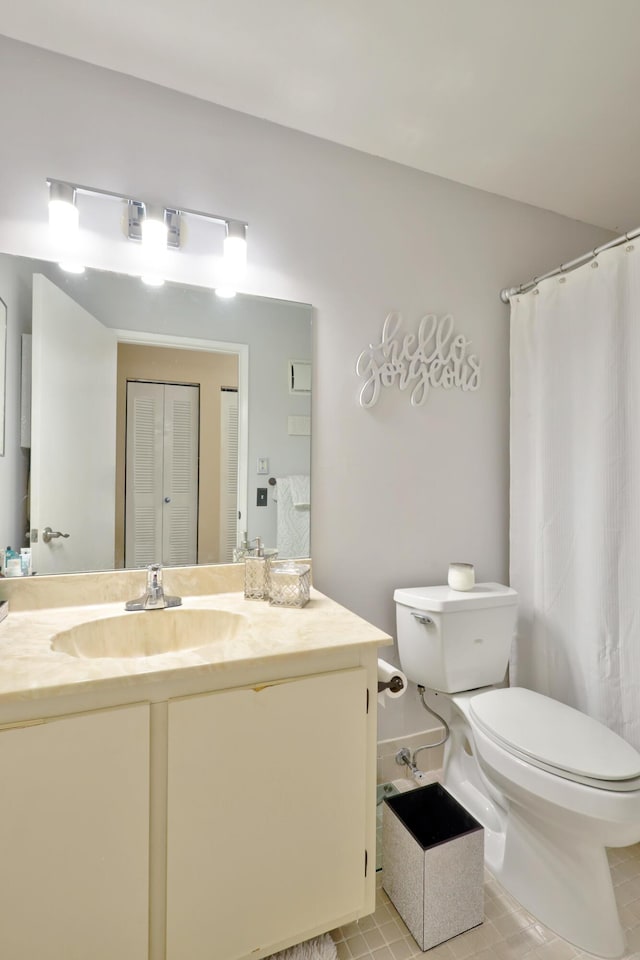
x,y
228,473
161,494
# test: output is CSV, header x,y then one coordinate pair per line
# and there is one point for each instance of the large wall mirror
x,y
151,424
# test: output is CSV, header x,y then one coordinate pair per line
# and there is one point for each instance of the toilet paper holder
x,y
395,684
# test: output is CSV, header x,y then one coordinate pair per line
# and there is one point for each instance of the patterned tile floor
x,y
508,931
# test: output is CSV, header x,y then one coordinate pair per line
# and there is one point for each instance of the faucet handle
x,y
154,576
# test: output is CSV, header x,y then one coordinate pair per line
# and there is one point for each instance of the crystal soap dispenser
x,y
257,568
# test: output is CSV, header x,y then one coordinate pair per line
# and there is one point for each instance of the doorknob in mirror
x,y
49,534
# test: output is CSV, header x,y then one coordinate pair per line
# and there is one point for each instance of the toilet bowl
x,y
552,787
547,826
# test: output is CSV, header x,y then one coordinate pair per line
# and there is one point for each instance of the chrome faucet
x,y
154,597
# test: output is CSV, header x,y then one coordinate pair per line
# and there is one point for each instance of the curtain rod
x,y
508,292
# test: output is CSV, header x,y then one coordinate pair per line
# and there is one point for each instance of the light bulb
x,y
225,291
154,234
71,266
235,255
234,260
152,279
64,225
64,220
153,230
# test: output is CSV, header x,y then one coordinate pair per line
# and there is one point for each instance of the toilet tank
x,y
452,641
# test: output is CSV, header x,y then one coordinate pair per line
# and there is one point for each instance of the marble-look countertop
x,y
31,669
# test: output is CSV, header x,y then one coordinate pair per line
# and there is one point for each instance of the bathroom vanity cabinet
x,y
279,847
214,810
74,837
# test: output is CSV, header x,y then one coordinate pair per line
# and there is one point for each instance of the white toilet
x,y
552,786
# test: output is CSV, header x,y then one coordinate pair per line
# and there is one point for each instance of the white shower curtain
x,y
575,488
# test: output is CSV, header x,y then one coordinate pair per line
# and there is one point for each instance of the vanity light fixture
x,y
155,227
64,224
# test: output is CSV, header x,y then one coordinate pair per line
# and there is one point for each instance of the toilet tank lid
x,y
440,598
554,733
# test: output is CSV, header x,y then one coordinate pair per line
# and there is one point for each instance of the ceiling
x,y
524,98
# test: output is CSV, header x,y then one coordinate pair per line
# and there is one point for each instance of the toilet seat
x,y
557,738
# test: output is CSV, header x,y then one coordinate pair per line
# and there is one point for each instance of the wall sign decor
x,y
434,357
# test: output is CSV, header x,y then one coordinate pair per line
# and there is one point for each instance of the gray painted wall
x,y
398,492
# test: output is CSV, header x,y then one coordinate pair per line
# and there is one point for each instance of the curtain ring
x,y
562,279
630,248
594,264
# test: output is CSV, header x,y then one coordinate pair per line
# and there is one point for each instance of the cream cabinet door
x,y
266,814
74,837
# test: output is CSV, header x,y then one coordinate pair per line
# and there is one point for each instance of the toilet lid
x,y
554,736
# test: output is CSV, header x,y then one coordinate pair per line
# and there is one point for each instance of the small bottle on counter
x,y
25,561
12,566
241,551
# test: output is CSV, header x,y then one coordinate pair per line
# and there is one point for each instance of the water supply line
x,y
405,756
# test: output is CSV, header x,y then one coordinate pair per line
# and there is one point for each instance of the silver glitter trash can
x,y
433,863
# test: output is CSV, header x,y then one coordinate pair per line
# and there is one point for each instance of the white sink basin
x,y
150,633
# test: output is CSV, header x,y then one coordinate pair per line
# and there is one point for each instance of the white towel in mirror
x,y
300,491
294,501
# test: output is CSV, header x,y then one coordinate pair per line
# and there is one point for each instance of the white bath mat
x,y
320,948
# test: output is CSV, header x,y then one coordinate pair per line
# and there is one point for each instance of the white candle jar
x,y
290,584
462,576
